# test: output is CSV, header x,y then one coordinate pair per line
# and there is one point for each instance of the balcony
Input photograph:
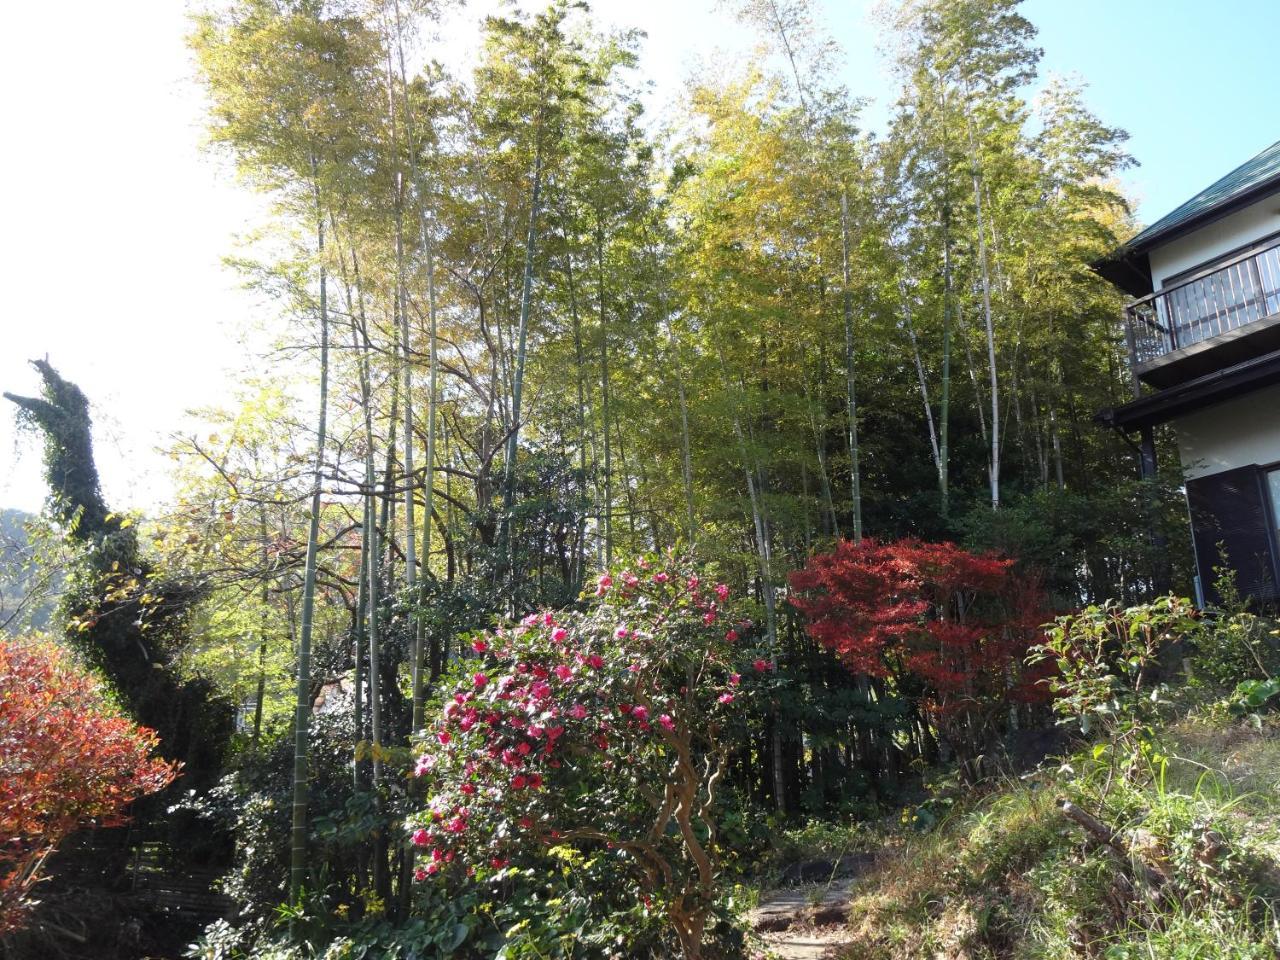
x,y
1214,318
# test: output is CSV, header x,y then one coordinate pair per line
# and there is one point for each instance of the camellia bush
x,y
950,627
68,760
593,736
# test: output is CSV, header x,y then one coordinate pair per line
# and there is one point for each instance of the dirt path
x,y
805,923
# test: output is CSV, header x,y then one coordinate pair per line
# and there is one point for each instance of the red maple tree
x,y
951,626
68,760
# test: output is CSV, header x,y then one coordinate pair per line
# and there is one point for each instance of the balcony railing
x,y
1228,297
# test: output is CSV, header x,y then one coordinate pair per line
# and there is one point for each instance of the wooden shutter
x,y
1232,509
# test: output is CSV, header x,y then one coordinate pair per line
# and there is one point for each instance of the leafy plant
x,y
951,626
68,760
598,740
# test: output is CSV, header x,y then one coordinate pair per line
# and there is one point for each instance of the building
x,y
1204,353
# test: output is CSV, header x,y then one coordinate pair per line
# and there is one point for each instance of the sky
x,y
115,220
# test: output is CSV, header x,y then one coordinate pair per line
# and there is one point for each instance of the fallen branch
x,y
1153,876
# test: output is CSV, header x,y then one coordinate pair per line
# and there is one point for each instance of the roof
x,y
1128,268
1203,391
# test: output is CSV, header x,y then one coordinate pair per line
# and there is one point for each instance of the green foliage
x,y
1010,876
1108,660
1238,648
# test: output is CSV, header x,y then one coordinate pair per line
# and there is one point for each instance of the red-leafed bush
x,y
950,628
68,760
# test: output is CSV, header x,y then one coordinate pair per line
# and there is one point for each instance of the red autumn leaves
x,y
68,760
926,613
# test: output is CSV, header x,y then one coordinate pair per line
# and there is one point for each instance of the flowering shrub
x,y
68,760
953,626
599,734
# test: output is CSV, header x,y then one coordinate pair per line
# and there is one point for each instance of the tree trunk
x,y
607,506
302,698
984,272
851,399
517,384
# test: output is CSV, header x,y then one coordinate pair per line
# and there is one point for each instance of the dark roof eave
x,y
1132,274
1173,402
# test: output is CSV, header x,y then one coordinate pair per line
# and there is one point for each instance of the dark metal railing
x,y
1244,290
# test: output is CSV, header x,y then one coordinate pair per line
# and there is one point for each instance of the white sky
x,y
115,222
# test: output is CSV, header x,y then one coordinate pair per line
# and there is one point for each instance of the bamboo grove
x,y
542,332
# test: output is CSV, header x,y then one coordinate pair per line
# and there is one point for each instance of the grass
x,y
1007,877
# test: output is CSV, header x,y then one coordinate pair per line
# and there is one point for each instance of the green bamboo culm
x,y
302,699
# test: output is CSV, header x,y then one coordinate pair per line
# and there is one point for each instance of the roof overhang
x,y
1174,402
1129,267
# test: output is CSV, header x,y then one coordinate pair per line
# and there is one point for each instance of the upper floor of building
x,y
1206,278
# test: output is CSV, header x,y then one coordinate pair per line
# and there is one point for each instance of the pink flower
x,y
559,634
468,788
443,736
456,825
479,646
420,838
762,666
726,698
548,619
595,661
722,591
522,668
661,577
731,635
524,749
479,680
640,712
634,668
578,712
420,874
497,863
709,617
564,672
735,679
693,583
540,689
621,633
666,723
518,781
624,708
535,781
425,763
431,868
603,584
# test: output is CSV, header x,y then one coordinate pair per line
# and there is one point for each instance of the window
x,y
1273,487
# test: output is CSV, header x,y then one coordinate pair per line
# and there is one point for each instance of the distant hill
x,y
16,582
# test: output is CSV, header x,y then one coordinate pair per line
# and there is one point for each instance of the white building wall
x,y
1232,434
1221,237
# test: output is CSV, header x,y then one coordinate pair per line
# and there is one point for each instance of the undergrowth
x,y
1007,875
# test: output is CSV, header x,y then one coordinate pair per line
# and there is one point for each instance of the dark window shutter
x,y
1231,508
